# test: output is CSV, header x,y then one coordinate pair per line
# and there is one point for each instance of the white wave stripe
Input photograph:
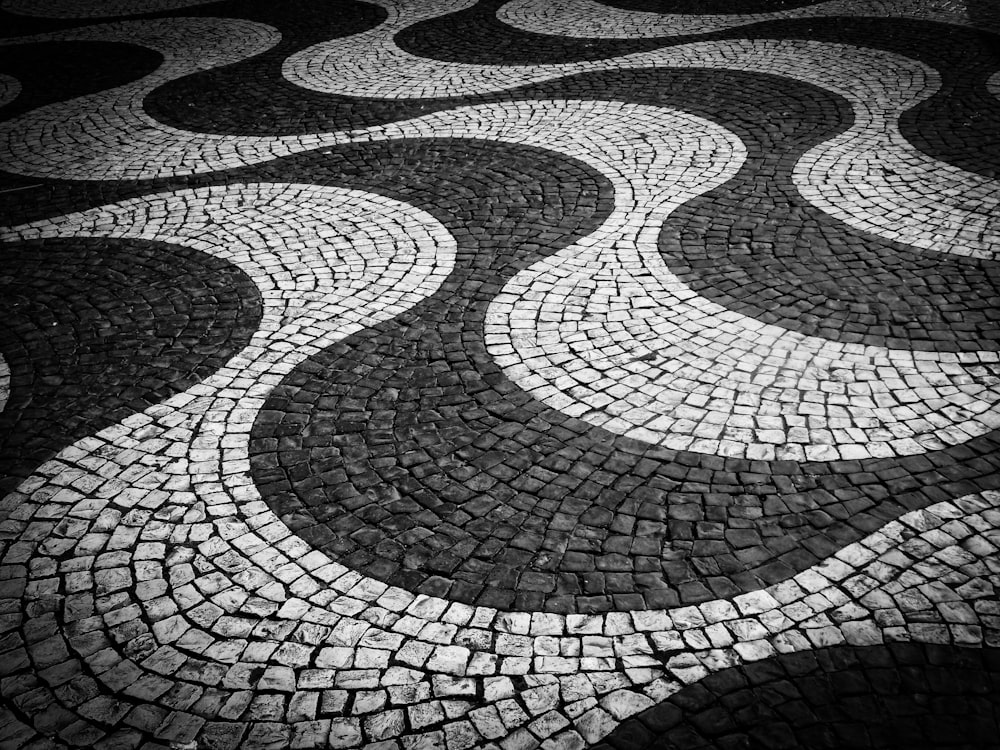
x,y
370,64
179,471
595,20
262,602
328,261
677,370
10,89
94,8
605,332
108,136
898,193
871,178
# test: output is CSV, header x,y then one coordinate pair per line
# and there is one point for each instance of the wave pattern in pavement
x,y
499,375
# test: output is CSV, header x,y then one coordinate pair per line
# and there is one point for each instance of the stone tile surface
x,y
493,374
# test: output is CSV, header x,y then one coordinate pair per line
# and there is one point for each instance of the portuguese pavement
x,y
548,373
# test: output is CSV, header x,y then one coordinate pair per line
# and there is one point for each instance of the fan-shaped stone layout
x,y
499,375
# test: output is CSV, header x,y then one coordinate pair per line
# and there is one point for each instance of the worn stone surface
x,y
499,375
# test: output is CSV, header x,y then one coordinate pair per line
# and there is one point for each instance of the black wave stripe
x,y
757,247
898,696
251,97
404,452
98,329
56,71
13,25
704,7
957,125
476,35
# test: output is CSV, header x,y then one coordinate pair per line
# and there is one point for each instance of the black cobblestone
x,y
97,330
898,696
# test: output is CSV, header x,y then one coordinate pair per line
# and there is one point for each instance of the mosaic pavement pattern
x,y
544,373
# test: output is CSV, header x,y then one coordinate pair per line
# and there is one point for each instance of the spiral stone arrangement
x,y
413,374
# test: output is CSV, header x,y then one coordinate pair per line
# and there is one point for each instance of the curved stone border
x,y
148,593
903,195
174,578
524,337
207,588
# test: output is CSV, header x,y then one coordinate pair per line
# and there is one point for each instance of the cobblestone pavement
x,y
415,374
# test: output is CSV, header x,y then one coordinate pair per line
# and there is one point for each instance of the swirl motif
x,y
551,381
